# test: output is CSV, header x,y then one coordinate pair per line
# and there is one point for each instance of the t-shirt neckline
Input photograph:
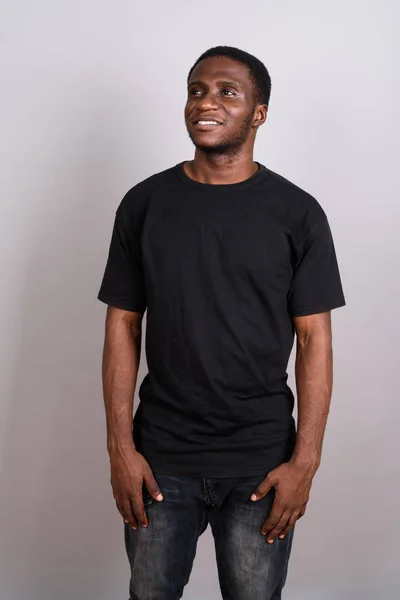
x,y
251,181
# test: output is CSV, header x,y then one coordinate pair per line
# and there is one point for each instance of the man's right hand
x,y
129,472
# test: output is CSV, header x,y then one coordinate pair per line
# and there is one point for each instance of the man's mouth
x,y
206,124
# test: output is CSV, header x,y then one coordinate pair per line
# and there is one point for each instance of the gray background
x,y
91,103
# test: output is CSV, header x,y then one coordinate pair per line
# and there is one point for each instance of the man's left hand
x,y
292,484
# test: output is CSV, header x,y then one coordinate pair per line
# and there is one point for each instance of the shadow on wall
x,y
63,538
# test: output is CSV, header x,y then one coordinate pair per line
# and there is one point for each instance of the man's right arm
x,y
129,469
121,357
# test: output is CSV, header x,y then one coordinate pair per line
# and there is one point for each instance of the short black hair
x,y
258,71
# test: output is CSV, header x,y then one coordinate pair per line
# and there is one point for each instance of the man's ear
x,y
260,115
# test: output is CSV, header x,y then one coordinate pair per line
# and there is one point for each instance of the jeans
x,y
161,555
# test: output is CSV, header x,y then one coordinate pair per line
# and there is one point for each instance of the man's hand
x,y
129,471
292,484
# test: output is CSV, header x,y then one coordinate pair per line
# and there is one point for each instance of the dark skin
x,y
292,480
129,469
219,88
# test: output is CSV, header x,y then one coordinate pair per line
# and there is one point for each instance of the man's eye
x,y
228,92
195,92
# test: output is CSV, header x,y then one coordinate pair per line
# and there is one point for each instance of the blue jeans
x,y
161,555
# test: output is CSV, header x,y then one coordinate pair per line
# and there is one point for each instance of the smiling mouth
x,y
207,122
206,125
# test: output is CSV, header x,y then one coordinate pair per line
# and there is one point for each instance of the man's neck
x,y
220,169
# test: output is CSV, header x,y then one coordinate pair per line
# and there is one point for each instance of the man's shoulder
x,y
153,181
139,194
288,189
294,200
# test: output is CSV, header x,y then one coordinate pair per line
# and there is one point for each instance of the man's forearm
x,y
314,389
121,357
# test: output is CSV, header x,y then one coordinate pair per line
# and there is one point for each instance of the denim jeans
x,y
161,555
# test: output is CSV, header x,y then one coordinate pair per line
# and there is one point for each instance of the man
x,y
230,260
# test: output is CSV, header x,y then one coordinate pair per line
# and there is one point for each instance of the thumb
x,y
152,486
264,487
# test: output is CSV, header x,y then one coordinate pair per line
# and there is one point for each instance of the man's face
x,y
221,96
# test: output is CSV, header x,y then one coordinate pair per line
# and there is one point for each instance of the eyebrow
x,y
221,82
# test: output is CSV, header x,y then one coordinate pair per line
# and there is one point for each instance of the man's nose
x,y
207,101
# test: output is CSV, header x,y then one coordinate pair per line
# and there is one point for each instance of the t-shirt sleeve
x,y
316,285
123,283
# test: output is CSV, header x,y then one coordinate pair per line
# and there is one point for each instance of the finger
x,y
303,511
138,508
133,522
120,506
278,527
290,524
131,518
125,509
120,509
264,487
152,486
273,518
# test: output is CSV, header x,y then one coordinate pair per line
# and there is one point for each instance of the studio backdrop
x,y
91,103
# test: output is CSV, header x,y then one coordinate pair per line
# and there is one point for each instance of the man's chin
x,y
212,148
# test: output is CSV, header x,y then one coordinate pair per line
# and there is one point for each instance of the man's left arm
x,y
292,480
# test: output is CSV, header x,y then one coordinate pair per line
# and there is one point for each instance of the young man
x,y
230,260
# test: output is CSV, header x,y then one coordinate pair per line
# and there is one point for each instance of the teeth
x,y
208,123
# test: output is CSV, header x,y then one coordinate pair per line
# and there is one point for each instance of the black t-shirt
x,y
221,270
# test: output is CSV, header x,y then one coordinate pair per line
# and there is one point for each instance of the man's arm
x,y
314,375
293,480
121,357
129,469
